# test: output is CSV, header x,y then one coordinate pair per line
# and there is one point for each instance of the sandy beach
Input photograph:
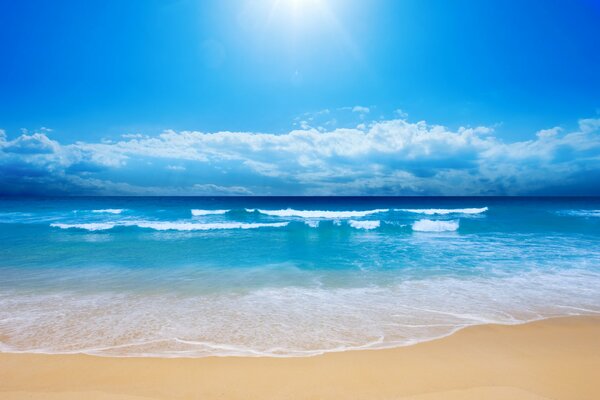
x,y
551,359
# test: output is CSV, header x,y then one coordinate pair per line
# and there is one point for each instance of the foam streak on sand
x,y
280,321
551,359
322,275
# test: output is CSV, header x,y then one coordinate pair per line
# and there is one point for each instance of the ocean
x,y
285,276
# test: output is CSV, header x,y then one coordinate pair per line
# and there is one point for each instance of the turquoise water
x,y
194,277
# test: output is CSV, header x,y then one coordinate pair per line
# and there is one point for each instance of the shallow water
x,y
285,276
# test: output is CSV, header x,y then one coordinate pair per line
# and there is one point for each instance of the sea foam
x,y
367,225
109,211
92,226
285,321
427,225
190,226
443,211
317,213
312,223
198,213
170,226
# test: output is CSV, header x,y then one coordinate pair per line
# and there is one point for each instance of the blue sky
x,y
272,97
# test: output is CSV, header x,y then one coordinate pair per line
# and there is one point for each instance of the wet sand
x,y
551,359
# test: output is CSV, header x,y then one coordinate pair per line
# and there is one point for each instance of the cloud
x,y
401,113
38,143
361,109
390,157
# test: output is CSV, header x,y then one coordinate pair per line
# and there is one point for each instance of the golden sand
x,y
551,359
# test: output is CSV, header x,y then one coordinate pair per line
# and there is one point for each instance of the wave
x,y
109,211
190,226
289,212
198,213
287,321
443,211
367,225
92,226
170,226
427,225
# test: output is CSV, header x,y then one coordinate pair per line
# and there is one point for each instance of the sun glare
x,y
297,8
298,23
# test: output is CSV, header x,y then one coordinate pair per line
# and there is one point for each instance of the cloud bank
x,y
391,157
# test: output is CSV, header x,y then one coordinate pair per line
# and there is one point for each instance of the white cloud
x,y
549,133
361,109
386,157
37,143
401,113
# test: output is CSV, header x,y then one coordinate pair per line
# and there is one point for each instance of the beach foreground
x,y
551,359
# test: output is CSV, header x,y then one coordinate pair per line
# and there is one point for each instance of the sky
x,y
300,97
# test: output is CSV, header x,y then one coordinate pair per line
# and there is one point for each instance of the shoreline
x,y
554,358
296,354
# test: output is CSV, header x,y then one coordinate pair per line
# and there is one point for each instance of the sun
x,y
302,4
297,25
297,9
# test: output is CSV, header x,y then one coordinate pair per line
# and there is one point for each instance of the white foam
x,y
444,211
312,223
93,226
285,321
171,226
109,211
191,226
368,225
198,213
317,213
427,225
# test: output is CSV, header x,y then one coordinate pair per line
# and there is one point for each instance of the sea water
x,y
251,276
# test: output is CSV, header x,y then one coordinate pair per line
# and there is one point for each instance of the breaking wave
x,y
317,213
427,225
170,226
198,213
367,225
444,211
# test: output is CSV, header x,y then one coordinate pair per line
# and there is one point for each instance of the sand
x,y
551,359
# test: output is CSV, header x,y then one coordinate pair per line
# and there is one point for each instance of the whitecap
x,y
427,225
171,226
190,226
109,211
312,223
443,211
198,213
92,226
368,225
289,212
